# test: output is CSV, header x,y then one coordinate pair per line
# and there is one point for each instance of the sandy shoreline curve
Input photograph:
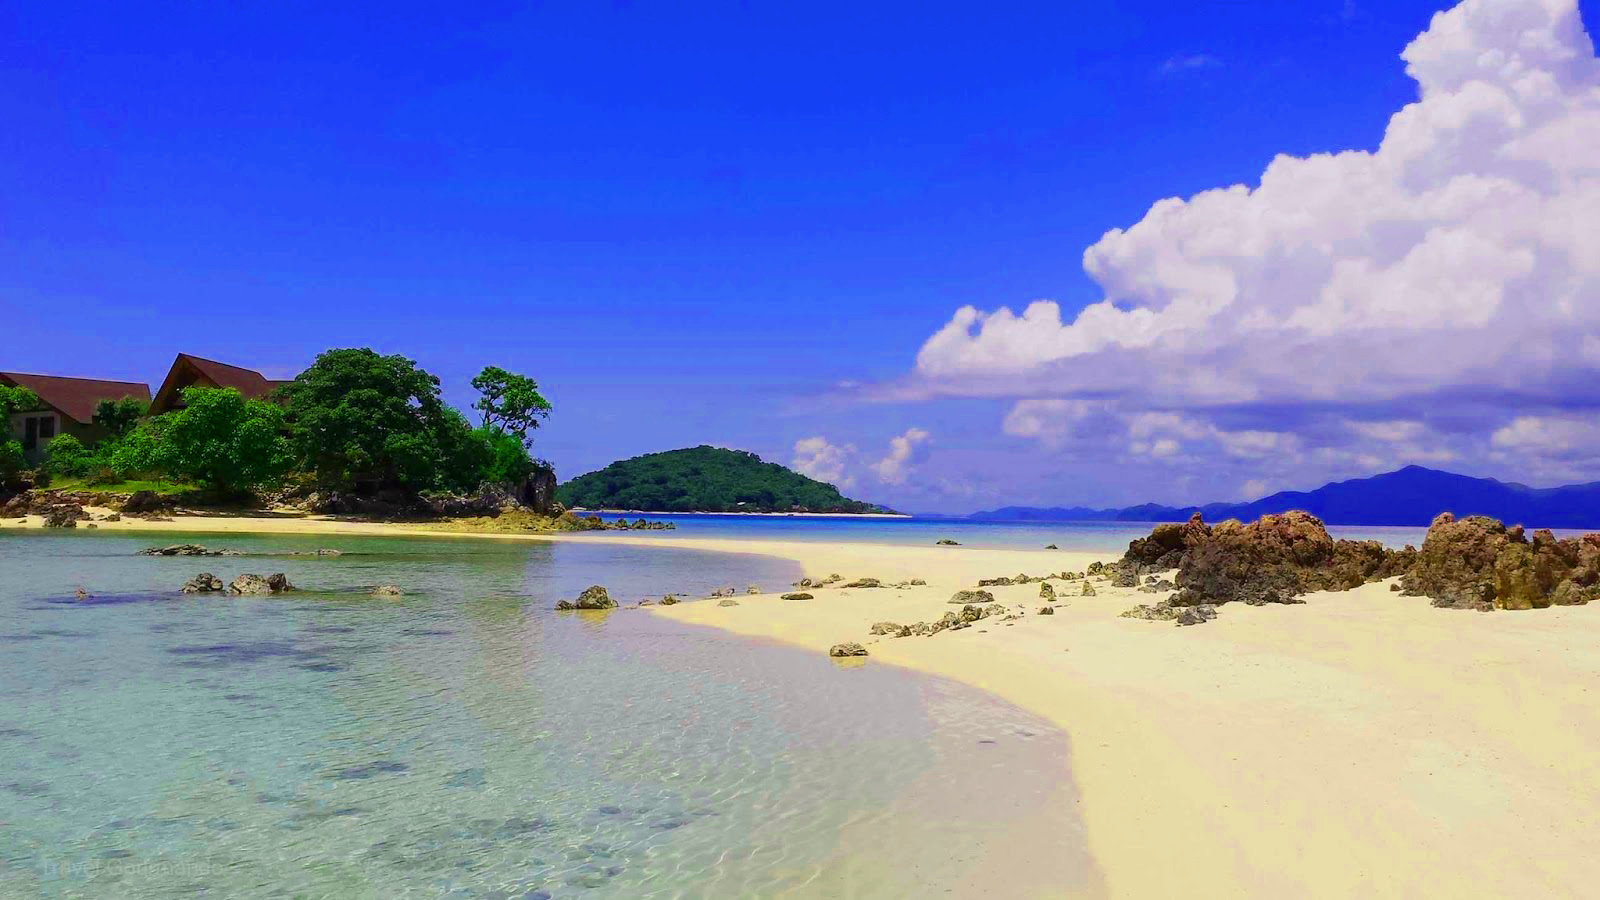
x,y
1362,744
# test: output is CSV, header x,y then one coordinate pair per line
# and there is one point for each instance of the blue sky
x,y
734,224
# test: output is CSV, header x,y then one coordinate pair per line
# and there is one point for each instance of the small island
x,y
706,479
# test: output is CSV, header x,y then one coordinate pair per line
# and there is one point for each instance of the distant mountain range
x,y
1410,496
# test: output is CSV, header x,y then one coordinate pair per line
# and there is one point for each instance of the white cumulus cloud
x,y
1458,260
905,451
819,459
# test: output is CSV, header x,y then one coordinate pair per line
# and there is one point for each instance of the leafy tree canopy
x,y
704,479
363,419
220,440
119,416
509,401
16,399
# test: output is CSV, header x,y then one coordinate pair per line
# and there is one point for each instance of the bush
x,y
67,456
222,441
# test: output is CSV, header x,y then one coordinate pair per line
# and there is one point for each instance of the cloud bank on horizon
x,y
1435,299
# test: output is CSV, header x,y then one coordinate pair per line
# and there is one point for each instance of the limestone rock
x,y
257,584
798,595
972,597
1047,591
847,649
204,583
593,597
865,583
1088,589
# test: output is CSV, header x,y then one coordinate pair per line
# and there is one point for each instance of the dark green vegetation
x,y
704,479
355,421
12,461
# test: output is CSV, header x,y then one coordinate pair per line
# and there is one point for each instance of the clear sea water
x,y
469,741
1110,538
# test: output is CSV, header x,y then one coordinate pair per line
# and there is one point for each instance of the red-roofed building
x,y
192,371
67,408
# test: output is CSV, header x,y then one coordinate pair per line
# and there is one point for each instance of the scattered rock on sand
x,y
668,600
865,583
972,597
1047,591
946,542
1047,610
797,595
847,649
835,578
204,583
143,503
918,582
890,629
1088,589
727,601
1196,615
1051,547
1002,581
64,515
257,584
593,597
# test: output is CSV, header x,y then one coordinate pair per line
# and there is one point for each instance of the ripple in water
x,y
468,741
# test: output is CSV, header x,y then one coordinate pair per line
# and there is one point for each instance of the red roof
x,y
76,398
187,368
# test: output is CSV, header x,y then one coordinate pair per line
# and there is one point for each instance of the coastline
x,y
774,515
1359,744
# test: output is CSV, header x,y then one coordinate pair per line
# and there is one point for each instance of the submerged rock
x,y
257,584
847,649
387,590
593,597
187,550
204,583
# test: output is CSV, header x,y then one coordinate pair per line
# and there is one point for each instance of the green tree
x,y
506,459
510,402
223,441
12,459
365,420
119,416
140,452
67,456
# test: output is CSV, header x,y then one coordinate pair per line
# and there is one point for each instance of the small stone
x,y
1088,589
1051,547
1047,610
946,542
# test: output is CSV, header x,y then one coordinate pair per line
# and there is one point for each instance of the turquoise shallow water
x,y
469,741
1110,538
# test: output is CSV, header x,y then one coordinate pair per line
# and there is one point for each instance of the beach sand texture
x,y
1362,744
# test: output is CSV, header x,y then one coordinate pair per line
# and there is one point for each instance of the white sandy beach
x,y
1362,744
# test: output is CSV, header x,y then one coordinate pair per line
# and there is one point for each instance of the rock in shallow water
x,y
204,583
258,584
593,597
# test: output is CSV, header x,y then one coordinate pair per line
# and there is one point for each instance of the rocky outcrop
x,y
979,596
146,503
187,550
260,584
63,515
593,597
1275,559
204,583
847,649
1479,563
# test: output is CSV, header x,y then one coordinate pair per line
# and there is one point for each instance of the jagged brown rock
x,y
1478,563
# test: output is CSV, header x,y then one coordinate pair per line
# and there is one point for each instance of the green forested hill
x,y
704,479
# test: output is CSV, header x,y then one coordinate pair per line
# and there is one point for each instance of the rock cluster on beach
x,y
593,597
1478,563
